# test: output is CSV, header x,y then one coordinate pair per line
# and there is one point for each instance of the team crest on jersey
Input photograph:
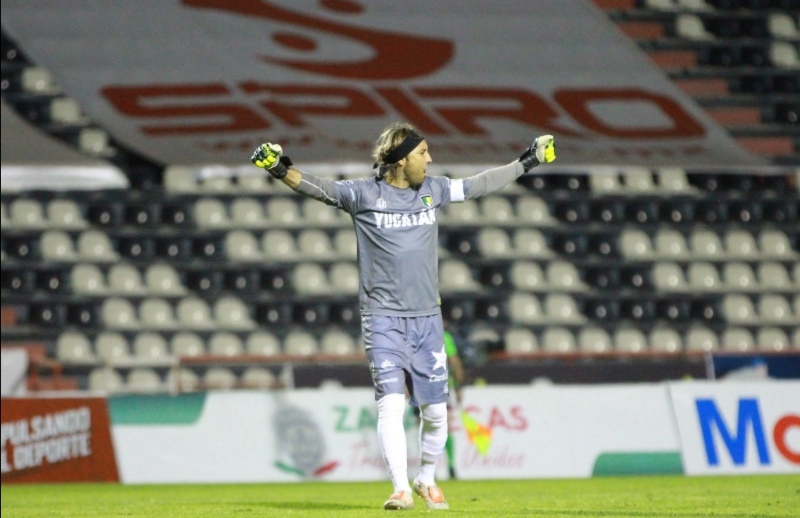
x,y
427,200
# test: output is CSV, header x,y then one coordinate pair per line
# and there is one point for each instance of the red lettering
x,y
496,419
393,55
577,104
519,418
341,100
527,108
132,101
409,108
779,435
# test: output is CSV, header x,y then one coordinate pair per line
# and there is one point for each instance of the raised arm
x,y
543,150
270,157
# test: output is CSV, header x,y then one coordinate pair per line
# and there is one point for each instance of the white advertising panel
x,y
738,428
507,432
252,437
545,431
206,81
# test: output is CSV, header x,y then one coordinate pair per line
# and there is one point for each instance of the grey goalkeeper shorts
x,y
407,353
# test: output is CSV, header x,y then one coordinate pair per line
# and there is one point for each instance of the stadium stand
x,y
144,289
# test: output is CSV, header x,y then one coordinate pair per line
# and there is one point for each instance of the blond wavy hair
x,y
390,138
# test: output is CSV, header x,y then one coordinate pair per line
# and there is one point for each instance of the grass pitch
x,y
626,497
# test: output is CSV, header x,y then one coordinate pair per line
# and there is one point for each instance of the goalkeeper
x,y
396,222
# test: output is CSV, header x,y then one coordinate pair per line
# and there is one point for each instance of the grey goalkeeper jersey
x,y
397,233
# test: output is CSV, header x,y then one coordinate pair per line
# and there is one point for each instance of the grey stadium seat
x,y
344,277
635,244
225,344
737,339
558,340
157,313
65,214
125,279
562,308
532,210
300,343
701,339
248,213
94,245
112,348
519,340
531,243
27,213
455,275
337,342
242,245
525,308
88,279
119,313
665,340
494,242
282,211
630,340
497,210
144,380
258,378
310,278
279,245
564,276
232,313
150,347
187,343
56,245
263,343
162,279
74,347
314,244
194,313
105,379
211,213
219,378
772,339
594,340
703,276
527,276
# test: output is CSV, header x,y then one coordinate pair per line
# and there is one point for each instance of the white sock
x,y
392,439
432,437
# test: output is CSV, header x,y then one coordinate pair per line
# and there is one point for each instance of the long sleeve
x,y
492,180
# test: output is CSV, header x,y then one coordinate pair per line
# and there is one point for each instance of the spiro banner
x,y
206,81
56,440
737,428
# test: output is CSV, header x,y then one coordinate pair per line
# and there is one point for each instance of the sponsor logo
x,y
387,364
441,360
427,200
440,377
380,203
301,443
480,428
747,434
390,380
397,220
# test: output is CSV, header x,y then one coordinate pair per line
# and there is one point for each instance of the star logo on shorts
x,y
441,359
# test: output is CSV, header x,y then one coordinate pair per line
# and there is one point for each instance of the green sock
x,y
448,447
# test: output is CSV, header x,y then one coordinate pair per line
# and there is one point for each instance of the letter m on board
x,y
748,418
